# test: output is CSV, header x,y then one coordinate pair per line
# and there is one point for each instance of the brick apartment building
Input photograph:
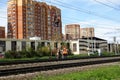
x,y
2,32
29,18
73,31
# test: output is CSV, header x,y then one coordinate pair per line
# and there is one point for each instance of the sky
x,y
103,15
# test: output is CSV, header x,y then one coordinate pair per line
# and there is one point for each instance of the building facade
x,y
84,45
114,48
29,18
21,44
87,32
72,31
2,32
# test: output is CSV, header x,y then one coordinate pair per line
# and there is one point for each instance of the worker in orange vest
x,y
65,53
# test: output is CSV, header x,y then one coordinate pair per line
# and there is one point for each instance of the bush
x,y
12,54
43,51
54,52
22,53
9,54
107,54
70,52
31,53
46,51
94,54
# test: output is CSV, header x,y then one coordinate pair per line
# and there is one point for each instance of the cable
x,y
68,18
91,12
77,20
84,11
110,2
113,4
72,6
81,24
107,5
87,12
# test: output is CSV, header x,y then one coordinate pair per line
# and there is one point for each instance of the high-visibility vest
x,y
64,51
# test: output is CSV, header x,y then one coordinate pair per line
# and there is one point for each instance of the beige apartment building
x,y
87,32
73,31
30,18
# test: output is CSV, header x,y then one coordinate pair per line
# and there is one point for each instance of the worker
x,y
65,53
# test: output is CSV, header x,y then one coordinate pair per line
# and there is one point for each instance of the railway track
x,y
58,65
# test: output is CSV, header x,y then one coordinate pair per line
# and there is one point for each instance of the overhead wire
x,y
83,11
109,1
72,18
83,24
110,6
117,6
88,12
72,6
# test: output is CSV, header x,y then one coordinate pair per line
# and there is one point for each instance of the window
x,y
74,47
29,18
28,8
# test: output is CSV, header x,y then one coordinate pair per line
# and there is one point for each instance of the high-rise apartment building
x,y
2,32
29,18
87,32
72,31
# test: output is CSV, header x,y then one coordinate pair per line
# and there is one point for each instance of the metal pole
x,y
94,46
115,44
91,41
118,47
88,45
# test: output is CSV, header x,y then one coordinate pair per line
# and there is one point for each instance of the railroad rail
x,y
49,60
57,65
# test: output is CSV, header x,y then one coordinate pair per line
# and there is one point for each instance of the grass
x,y
39,58
53,57
77,56
44,57
103,73
22,59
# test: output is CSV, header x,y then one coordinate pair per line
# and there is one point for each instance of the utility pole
x,y
94,46
117,47
88,46
114,38
91,41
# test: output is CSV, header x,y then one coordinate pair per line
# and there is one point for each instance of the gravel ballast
x,y
30,76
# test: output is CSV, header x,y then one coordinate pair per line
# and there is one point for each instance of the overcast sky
x,y
103,15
